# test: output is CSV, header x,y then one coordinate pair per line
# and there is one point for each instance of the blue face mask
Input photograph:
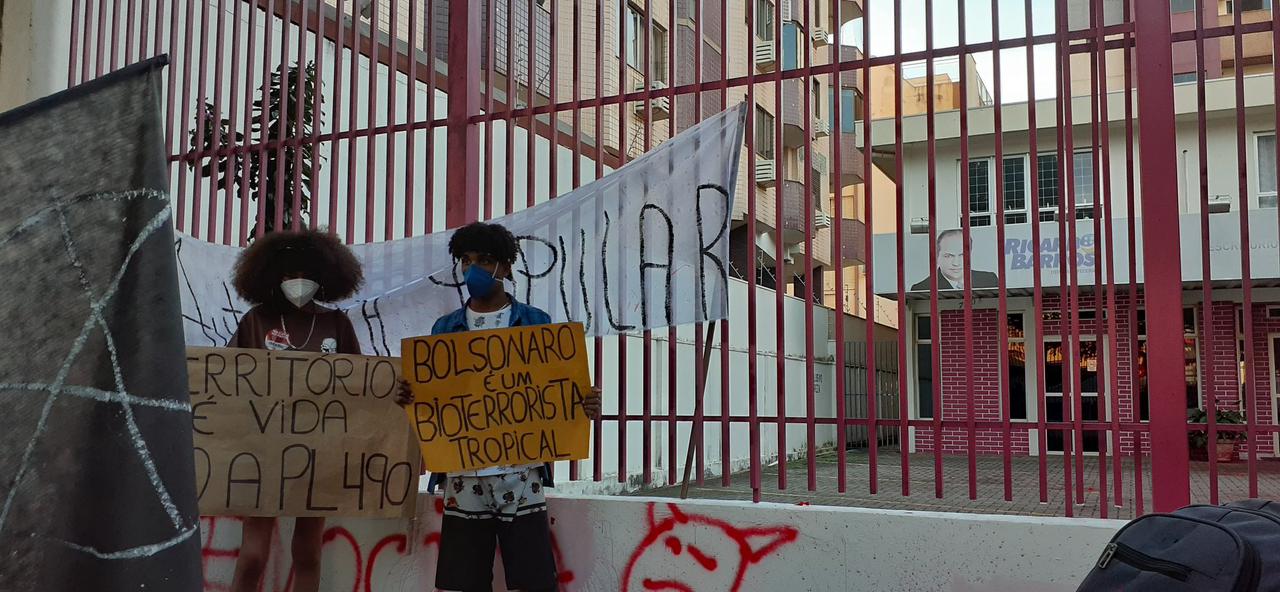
x,y
480,283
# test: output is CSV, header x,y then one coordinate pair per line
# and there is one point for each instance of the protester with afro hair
x,y
285,276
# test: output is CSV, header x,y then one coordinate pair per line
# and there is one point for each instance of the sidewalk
x,y
1232,483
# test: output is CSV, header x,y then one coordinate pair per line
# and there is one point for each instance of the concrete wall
x,y
33,54
610,544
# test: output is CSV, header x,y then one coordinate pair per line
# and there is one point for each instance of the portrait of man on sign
x,y
949,266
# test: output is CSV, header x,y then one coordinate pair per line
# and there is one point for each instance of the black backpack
x,y
1233,548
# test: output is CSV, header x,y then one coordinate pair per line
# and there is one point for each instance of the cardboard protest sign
x,y
504,397
286,433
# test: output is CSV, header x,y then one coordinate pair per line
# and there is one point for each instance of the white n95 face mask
x,y
299,291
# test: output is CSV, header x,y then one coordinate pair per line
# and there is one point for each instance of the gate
x,y
972,171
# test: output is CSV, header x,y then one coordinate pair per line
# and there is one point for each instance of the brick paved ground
x,y
1232,483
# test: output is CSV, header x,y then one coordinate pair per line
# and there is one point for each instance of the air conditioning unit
x,y
659,107
821,220
821,128
1219,204
820,37
766,175
766,55
920,225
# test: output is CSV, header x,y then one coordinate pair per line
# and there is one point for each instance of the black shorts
x,y
467,547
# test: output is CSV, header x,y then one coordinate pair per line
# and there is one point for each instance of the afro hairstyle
x,y
491,239
316,254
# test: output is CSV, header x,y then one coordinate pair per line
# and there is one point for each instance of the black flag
x,y
96,471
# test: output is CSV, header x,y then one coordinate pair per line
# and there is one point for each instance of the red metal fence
x,y
1055,375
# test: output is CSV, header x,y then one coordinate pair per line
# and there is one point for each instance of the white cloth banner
x,y
642,248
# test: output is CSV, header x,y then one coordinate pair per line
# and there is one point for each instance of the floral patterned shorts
x,y
503,496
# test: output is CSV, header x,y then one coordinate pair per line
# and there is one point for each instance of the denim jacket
x,y
522,315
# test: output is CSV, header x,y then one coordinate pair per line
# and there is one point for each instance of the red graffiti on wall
x,y
363,566
685,548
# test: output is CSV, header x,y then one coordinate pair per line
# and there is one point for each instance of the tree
x,y
275,172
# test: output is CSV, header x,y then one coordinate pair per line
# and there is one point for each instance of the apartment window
x,y
764,20
1267,170
1248,5
982,187
764,133
660,49
850,112
1182,5
1047,186
817,100
1014,187
1017,367
980,192
1184,78
1082,172
790,47
635,37
924,368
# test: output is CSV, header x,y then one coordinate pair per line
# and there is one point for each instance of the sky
x,y
978,29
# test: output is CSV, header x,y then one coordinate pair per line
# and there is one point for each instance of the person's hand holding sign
x,y
404,396
591,403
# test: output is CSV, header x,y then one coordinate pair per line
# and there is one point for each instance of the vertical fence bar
x,y
622,161
1066,216
371,115
1075,349
1170,469
868,182
215,144
646,61
1130,200
429,51
1206,269
157,40
1112,339
965,229
115,34
86,61
352,119
144,30
1250,365
178,141
574,466
1104,348
905,434
531,147
464,100
837,248
779,260
753,411
702,366
673,366
317,108
935,318
726,434
280,148
242,238
597,451
411,106
486,189
1002,310
811,435
233,149
76,15
393,75
201,111
339,50
513,91
1037,282
130,10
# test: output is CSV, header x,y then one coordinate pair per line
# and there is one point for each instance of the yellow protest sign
x,y
503,397
288,433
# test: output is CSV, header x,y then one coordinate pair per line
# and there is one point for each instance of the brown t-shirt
x,y
263,328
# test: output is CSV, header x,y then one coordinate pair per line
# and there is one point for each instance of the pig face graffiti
x,y
684,548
